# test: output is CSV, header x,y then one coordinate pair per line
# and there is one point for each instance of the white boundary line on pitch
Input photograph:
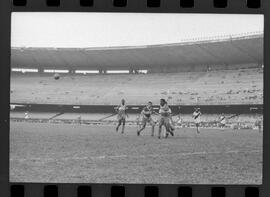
x,y
131,156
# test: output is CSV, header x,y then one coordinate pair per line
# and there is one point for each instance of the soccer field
x,y
43,152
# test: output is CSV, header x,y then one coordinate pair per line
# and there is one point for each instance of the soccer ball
x,y
56,76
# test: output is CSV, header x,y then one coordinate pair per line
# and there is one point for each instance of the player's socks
x,y
152,133
171,131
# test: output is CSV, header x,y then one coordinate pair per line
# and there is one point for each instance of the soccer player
x,y
179,120
222,121
147,118
197,118
26,115
80,119
258,123
121,115
171,125
164,119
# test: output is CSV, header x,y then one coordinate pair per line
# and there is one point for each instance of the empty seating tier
x,y
242,86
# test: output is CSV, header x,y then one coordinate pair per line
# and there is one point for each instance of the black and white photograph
x,y
139,98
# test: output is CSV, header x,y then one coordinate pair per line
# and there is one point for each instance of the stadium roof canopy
x,y
218,51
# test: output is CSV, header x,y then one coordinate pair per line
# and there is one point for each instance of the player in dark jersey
x,y
147,118
121,115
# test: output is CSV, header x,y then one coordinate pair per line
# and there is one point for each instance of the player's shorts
x,y
171,123
222,124
197,121
148,120
121,117
164,121
179,121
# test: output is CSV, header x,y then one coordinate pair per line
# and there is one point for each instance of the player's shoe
x,y
167,134
117,129
138,133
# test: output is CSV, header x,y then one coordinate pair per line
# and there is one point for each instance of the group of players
x,y
165,118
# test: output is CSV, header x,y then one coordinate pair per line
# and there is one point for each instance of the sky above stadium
x,y
83,30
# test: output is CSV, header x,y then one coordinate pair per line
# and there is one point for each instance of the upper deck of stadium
x,y
222,50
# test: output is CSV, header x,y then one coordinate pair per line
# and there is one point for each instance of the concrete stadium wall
x,y
202,68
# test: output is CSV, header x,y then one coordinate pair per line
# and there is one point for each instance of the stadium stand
x,y
31,115
211,87
174,57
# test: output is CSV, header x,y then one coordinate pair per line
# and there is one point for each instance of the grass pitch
x,y
69,153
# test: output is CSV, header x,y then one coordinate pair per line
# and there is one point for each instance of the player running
x,y
171,125
164,119
121,115
179,120
197,118
222,121
147,118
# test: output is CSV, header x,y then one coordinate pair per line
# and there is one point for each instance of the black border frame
x,y
166,6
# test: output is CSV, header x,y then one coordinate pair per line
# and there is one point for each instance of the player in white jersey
x,y
26,115
121,115
179,121
147,118
197,118
164,119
